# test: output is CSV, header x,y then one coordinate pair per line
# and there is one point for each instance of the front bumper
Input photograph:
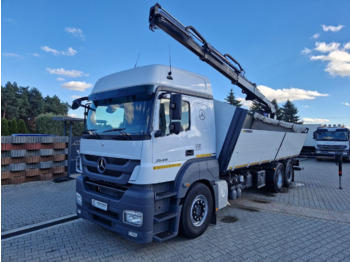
x,y
137,198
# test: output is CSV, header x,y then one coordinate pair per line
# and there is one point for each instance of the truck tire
x,y
275,178
196,211
288,173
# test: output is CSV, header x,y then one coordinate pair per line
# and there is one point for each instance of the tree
x,y
289,113
37,103
9,101
55,106
13,127
256,107
4,127
278,113
22,129
232,100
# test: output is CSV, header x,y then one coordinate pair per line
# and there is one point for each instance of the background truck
x,y
331,141
160,155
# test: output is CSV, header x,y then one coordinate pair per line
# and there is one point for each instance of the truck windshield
x,y
332,135
122,118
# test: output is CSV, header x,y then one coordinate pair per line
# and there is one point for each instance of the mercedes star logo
x,y
101,165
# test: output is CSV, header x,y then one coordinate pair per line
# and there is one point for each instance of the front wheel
x,y
197,211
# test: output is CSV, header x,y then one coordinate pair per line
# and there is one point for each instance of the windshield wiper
x,y
120,130
92,132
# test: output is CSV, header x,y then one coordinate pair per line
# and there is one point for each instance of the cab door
x,y
170,148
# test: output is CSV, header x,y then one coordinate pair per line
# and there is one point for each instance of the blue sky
x,y
297,50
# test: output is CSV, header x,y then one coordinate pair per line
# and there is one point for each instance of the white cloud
x,y
75,96
332,28
306,106
307,120
11,55
346,103
306,51
76,85
282,95
315,36
338,59
60,79
325,48
245,103
67,73
73,115
76,32
347,46
70,51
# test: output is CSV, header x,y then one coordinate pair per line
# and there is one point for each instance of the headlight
x,y
79,199
134,218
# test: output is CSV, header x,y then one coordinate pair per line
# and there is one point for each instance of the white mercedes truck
x,y
331,141
160,156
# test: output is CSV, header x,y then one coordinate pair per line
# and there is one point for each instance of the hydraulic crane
x,y
194,41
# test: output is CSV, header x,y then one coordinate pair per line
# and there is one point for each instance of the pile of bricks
x,y
32,158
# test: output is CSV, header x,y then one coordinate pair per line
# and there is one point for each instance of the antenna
x,y
137,60
169,73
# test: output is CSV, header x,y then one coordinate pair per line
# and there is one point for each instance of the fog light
x,y
79,199
132,234
134,218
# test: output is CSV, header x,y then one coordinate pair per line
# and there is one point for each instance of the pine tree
x,y
289,113
22,129
278,113
4,127
232,100
13,127
256,108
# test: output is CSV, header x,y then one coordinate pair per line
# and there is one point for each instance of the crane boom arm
x,y
190,38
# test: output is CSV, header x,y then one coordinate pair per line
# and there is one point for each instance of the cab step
x,y
164,216
163,236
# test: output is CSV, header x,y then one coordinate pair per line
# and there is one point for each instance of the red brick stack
x,y
32,158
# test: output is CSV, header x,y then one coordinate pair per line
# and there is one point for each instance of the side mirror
x,y
77,102
175,106
175,128
314,135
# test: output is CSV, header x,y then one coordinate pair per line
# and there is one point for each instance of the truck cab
x,y
142,127
331,141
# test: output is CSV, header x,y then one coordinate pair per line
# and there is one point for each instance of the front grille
x,y
105,188
331,147
118,168
93,169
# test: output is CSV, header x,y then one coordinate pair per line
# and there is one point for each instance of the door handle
x,y
189,152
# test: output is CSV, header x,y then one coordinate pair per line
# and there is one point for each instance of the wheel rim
x,y
279,179
199,210
289,173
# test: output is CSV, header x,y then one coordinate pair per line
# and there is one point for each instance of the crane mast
x,y
195,42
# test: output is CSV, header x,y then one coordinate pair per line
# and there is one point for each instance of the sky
x,y
297,50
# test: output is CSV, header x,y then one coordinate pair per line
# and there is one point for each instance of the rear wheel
x,y
275,177
288,173
197,211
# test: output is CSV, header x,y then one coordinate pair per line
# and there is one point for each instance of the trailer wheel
x,y
275,178
288,173
197,211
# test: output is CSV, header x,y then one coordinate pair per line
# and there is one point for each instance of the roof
x,y
154,75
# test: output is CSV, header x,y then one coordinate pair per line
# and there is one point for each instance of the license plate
x,y
99,204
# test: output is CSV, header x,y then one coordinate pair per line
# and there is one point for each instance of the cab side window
x,y
164,116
